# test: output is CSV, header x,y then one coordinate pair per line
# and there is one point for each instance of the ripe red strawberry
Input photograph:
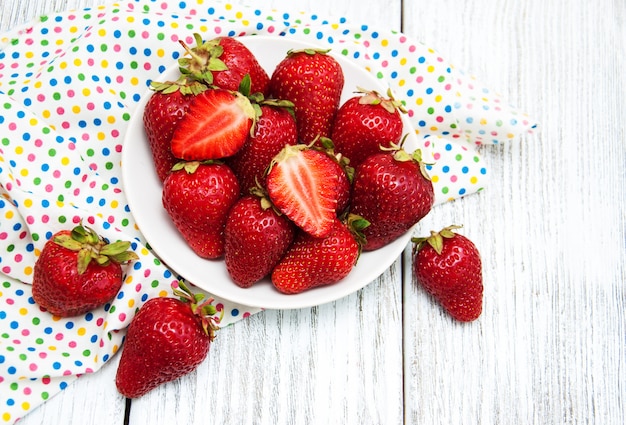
x,y
366,122
197,197
311,262
303,184
313,81
448,266
167,338
275,128
344,187
344,172
223,62
78,271
392,191
216,125
256,238
161,115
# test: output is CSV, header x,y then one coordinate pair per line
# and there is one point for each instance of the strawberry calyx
x,y
190,167
328,146
308,50
202,307
389,103
258,99
286,153
356,224
435,240
183,85
264,199
203,59
92,247
280,103
400,154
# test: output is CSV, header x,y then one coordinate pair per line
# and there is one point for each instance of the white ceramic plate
x,y
143,191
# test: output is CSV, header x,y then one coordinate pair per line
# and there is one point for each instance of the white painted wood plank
x,y
90,399
549,347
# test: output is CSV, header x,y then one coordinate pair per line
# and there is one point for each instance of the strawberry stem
x,y
308,51
91,246
435,240
201,307
356,224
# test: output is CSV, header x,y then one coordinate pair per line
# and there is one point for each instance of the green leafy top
x,y
92,247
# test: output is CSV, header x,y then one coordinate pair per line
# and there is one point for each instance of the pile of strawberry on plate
x,y
273,172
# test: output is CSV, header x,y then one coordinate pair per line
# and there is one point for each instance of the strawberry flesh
x,y
302,184
216,125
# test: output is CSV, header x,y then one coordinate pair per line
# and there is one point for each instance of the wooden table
x,y
550,346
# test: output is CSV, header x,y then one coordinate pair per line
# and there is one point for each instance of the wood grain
x,y
550,347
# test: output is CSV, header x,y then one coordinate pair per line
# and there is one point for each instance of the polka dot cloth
x,y
69,84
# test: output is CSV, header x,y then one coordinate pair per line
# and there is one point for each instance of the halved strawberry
x,y
216,125
303,184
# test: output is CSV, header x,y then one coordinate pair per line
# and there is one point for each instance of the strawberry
x,y
274,128
448,266
167,338
161,115
302,183
344,172
313,81
197,197
223,62
256,238
366,122
344,187
311,261
216,125
78,271
392,191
